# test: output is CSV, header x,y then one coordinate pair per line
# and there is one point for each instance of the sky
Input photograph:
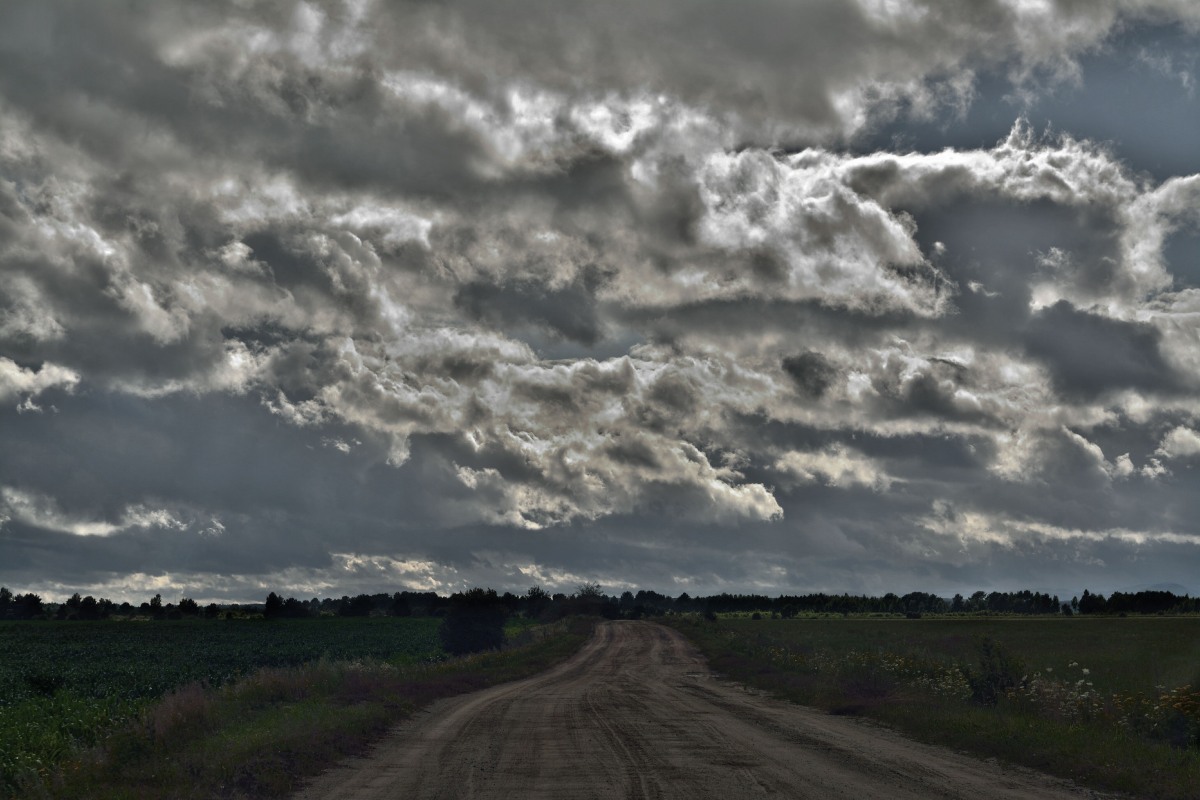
x,y
689,295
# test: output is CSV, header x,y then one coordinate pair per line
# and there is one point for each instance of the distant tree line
x,y
1021,602
589,599
1147,602
31,606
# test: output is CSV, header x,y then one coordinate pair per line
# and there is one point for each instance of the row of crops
x,y
64,685
144,659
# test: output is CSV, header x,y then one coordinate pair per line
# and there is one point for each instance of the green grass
x,y
140,659
261,733
1113,703
64,687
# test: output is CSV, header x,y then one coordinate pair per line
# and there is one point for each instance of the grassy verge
x,y
1025,698
262,735
66,686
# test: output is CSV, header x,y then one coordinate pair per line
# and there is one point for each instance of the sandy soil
x,y
637,714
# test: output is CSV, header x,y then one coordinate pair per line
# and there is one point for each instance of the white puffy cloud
x,y
833,244
836,466
1180,442
16,380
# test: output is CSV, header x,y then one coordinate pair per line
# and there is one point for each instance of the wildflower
x,y
1086,671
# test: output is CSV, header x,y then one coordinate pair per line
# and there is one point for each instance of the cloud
x,y
41,511
465,291
16,380
1180,442
974,527
812,373
837,466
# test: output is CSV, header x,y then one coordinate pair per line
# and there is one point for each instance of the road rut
x,y
637,714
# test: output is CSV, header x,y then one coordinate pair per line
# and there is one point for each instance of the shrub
x,y
998,672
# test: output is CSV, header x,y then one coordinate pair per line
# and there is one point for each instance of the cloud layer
x,y
355,296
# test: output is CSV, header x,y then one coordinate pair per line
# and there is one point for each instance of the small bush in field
x,y
997,673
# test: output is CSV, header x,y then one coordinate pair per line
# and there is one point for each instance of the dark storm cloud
x,y
812,372
345,296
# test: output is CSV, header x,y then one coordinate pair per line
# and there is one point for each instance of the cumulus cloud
x,y
1180,442
16,380
837,466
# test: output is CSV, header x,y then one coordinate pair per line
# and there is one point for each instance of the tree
x,y
273,607
69,608
89,608
511,602
188,607
537,600
359,606
474,622
978,601
589,599
294,609
1092,603
400,606
27,606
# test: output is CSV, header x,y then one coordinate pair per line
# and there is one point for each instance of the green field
x,y
1122,654
65,687
1111,702
138,659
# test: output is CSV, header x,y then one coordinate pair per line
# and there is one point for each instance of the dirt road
x,y
637,714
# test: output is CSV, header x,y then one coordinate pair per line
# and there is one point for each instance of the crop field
x,y
65,686
1121,654
1113,702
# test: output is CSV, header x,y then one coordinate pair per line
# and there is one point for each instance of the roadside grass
x,y
66,686
263,734
1112,703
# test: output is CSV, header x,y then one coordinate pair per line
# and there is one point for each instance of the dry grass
x,y
188,708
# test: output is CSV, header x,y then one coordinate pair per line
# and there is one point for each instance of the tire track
x,y
637,714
